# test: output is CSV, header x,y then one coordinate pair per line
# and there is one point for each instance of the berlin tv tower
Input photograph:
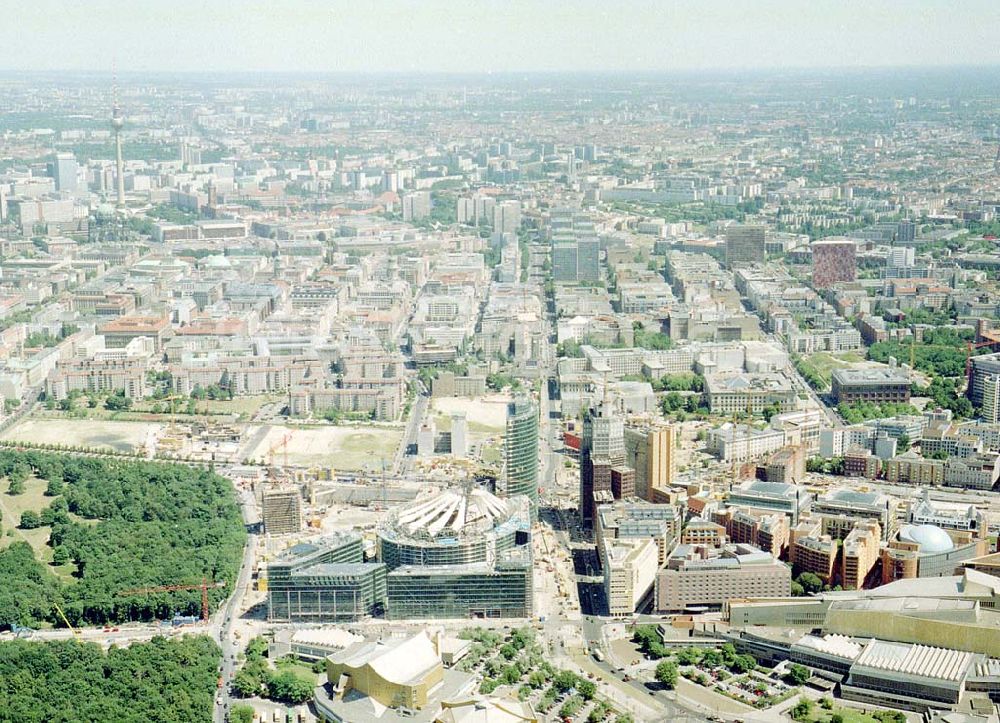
x,y
117,123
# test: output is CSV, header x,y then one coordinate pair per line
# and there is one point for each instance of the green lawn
x,y
33,498
237,405
301,669
825,362
141,410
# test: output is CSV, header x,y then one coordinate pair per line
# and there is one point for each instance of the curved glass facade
x,y
521,452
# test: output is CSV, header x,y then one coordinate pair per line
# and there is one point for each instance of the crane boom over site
x,y
204,585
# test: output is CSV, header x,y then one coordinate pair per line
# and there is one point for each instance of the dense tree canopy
x,y
941,353
143,524
171,681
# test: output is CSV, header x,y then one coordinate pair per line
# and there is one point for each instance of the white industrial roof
x,y
326,637
454,510
918,660
839,645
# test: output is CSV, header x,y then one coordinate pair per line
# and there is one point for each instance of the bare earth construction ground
x,y
97,434
340,447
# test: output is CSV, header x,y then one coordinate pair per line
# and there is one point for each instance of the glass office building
x,y
502,590
325,581
520,476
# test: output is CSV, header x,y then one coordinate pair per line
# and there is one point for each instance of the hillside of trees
x,y
122,525
171,681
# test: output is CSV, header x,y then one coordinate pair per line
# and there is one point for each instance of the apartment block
x,y
787,465
630,568
833,262
767,530
817,555
861,551
699,577
743,443
910,468
858,504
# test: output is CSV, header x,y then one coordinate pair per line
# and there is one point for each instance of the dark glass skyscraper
x,y
521,452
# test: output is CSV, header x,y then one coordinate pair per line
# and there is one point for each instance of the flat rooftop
x,y
881,375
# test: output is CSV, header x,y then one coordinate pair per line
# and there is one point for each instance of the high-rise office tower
x,y
906,232
833,262
520,475
459,436
649,450
576,246
64,172
745,246
416,205
991,399
602,449
588,255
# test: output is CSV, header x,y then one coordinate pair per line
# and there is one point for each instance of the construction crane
x,y
204,585
281,444
76,633
173,412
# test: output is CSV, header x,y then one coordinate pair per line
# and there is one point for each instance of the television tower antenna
x,y
117,123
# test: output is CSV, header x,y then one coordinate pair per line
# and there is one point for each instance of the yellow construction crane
x,y
76,633
281,444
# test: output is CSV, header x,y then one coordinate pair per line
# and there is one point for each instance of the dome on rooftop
x,y
931,538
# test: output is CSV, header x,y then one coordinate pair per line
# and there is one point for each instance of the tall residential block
x,y
745,246
861,550
416,205
833,262
649,450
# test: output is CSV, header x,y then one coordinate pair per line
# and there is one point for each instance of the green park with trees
x,y
170,681
121,525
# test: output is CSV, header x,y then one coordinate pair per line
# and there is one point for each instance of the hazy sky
x,y
494,35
